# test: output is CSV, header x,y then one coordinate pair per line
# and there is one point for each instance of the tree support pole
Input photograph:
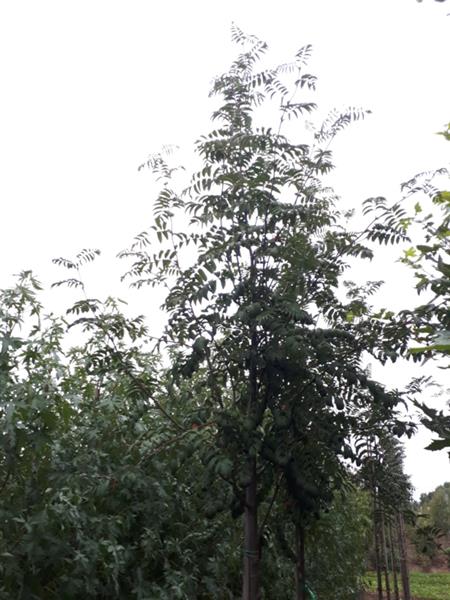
x,y
377,548
394,563
385,556
251,583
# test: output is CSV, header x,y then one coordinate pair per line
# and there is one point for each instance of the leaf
x,y
410,253
442,197
440,344
224,467
443,267
445,133
418,350
304,54
425,249
11,342
438,444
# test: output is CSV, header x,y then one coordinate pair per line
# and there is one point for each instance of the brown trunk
x,y
403,558
377,549
394,563
385,556
250,586
300,587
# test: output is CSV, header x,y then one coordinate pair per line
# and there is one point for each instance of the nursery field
x,y
234,440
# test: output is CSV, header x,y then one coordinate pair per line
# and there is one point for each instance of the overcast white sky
x,y
90,88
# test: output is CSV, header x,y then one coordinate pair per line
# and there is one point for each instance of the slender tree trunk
x,y
300,564
394,562
385,556
403,558
377,549
251,584
251,581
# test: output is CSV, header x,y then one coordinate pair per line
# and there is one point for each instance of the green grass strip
x,y
426,586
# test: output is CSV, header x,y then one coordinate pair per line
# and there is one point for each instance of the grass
x,y
426,586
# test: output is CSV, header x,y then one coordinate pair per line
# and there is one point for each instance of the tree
x,y
440,509
436,505
425,330
256,311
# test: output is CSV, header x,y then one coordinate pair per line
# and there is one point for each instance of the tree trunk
x,y
385,556
300,587
403,558
394,563
377,549
251,584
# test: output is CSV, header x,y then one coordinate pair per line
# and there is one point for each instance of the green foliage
x,y
437,421
424,331
340,542
336,549
257,306
439,508
121,477
382,473
436,505
429,323
96,489
427,542
104,491
430,264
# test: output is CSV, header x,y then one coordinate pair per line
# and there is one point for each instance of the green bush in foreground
x,y
104,497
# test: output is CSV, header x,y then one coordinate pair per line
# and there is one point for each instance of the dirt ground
x,y
374,596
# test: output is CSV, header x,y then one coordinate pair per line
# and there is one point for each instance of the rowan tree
x,y
252,253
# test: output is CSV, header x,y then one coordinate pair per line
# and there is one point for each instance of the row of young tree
x,y
390,493
230,458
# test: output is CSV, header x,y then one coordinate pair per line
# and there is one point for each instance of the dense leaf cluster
x,y
102,494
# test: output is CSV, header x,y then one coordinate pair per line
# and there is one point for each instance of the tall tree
x,y
253,299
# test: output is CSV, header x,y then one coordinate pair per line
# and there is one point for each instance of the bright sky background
x,y
90,88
